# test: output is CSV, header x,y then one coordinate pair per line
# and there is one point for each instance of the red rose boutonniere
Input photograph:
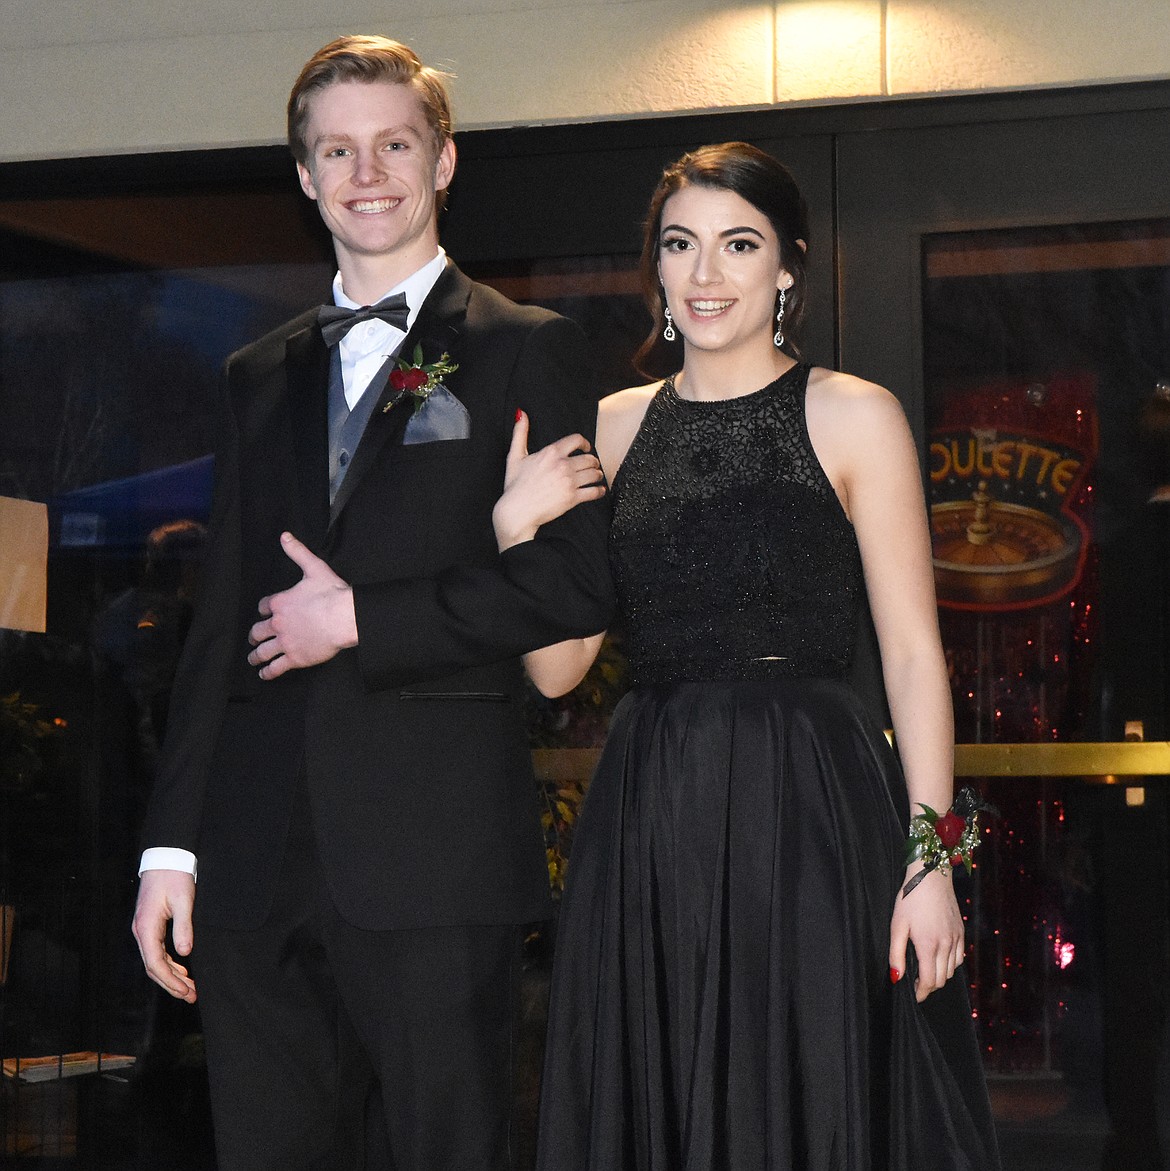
x,y
419,378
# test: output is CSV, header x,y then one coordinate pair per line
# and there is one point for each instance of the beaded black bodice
x,y
731,554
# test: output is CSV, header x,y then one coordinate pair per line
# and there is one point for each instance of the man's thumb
x,y
301,554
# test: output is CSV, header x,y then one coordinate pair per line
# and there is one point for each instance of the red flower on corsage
x,y
945,840
950,828
419,378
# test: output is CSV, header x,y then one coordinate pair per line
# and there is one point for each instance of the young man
x,y
347,761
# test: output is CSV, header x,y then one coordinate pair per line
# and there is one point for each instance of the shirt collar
x,y
417,287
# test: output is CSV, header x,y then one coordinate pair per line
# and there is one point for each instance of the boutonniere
x,y
419,378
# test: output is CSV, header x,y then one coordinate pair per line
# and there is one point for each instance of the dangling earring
x,y
778,340
668,333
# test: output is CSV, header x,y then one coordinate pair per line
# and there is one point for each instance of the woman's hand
x,y
929,918
544,485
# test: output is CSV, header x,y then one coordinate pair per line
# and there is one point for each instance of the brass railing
x,y
1108,761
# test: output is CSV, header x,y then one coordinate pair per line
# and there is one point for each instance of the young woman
x,y
748,975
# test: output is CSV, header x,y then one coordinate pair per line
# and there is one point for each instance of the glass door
x,y
1011,282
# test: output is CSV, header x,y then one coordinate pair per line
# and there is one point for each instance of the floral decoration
x,y
945,840
418,378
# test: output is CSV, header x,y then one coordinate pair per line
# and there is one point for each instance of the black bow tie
x,y
336,321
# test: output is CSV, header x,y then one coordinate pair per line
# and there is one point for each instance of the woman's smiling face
x,y
719,262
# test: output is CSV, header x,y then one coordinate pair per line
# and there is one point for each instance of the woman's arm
x,y
555,670
871,459
549,482
539,488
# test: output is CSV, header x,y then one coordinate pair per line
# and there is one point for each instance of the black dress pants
x,y
305,1015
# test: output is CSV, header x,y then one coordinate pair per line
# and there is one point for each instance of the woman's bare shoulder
x,y
835,387
848,420
619,416
633,400
851,406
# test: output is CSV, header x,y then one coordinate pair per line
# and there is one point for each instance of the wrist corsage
x,y
945,840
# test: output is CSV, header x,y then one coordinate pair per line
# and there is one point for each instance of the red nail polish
x,y
895,975
519,414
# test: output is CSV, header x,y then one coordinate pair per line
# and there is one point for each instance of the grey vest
x,y
346,426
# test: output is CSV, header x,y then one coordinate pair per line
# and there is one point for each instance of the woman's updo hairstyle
x,y
769,187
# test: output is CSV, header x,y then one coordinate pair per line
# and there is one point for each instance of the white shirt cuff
x,y
169,858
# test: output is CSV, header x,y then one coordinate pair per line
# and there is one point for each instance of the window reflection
x,y
1046,354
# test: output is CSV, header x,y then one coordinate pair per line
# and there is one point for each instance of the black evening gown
x,y
721,995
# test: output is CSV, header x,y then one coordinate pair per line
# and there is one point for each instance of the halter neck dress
x,y
721,996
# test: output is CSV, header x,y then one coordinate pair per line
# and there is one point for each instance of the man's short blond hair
x,y
369,59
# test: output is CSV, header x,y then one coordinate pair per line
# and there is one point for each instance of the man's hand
x,y
307,624
166,896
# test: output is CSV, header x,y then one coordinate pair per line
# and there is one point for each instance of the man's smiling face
x,y
374,170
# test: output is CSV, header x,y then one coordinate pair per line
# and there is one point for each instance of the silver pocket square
x,y
441,416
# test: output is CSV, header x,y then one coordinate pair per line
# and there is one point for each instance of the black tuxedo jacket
x,y
412,744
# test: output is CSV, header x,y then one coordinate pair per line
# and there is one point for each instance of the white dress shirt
x,y
365,348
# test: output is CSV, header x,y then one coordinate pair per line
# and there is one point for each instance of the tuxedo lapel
x,y
436,329
307,364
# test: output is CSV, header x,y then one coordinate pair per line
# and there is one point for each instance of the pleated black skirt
x,y
721,997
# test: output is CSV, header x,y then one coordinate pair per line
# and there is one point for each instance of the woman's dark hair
x,y
768,186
